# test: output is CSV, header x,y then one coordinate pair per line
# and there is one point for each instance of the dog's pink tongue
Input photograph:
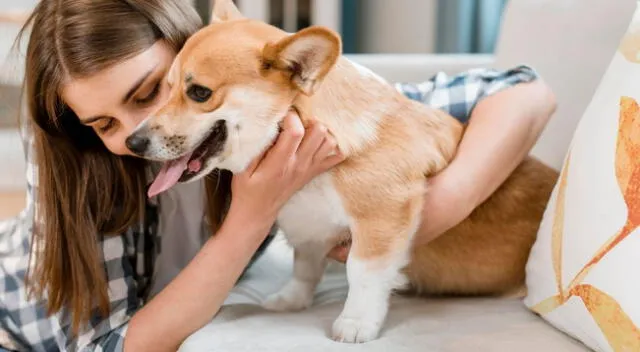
x,y
168,175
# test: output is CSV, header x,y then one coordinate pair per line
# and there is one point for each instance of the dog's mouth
x,y
189,165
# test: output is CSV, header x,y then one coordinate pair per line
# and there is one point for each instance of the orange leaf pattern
x,y
616,326
558,225
630,45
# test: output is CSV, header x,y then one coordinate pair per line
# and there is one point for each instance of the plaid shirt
x,y
128,258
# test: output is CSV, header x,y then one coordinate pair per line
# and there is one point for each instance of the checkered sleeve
x,y
111,342
459,94
24,322
106,334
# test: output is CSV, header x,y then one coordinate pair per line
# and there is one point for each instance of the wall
x,y
397,26
12,177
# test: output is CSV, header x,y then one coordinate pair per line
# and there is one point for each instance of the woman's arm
x,y
502,130
196,294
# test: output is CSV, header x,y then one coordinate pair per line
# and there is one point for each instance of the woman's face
x,y
114,101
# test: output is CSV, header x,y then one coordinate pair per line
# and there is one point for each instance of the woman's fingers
x,y
284,150
305,152
255,163
332,160
288,141
311,143
327,149
328,155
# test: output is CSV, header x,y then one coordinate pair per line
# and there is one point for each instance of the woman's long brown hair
x,y
84,191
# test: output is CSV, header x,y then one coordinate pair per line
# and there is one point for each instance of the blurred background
x,y
388,26
366,27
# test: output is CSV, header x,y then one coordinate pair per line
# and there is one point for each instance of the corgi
x,y
231,84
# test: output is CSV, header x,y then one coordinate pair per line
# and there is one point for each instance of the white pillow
x,y
582,274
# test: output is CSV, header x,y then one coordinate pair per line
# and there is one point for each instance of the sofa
x,y
570,43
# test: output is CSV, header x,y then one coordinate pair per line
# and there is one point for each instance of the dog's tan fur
x,y
487,253
391,142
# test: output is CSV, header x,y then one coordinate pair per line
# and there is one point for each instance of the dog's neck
x,y
350,102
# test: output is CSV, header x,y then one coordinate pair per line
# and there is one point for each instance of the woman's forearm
x,y
196,294
503,129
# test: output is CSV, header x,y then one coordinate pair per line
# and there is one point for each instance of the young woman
x,y
110,270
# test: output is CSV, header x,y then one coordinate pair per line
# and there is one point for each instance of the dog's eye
x,y
198,93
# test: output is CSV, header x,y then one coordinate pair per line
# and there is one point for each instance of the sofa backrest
x,y
570,43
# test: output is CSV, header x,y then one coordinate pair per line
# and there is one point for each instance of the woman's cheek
x,y
116,145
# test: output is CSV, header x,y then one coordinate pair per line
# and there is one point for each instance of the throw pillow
x,y
582,270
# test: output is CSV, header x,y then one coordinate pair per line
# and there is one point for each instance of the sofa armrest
x,y
411,68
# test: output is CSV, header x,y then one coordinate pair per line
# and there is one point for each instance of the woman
x,y
95,69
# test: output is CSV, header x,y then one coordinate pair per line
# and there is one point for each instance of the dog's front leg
x,y
379,250
309,264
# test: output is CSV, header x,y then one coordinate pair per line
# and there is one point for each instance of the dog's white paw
x,y
288,299
355,330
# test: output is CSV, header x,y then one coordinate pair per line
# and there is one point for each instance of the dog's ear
x,y
307,56
224,10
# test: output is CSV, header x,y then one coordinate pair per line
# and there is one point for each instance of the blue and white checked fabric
x,y
128,258
459,94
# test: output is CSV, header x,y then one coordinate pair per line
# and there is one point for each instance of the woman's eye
x,y
107,126
149,98
198,93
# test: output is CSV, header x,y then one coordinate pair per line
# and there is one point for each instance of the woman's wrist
x,y
196,294
252,222
447,203
459,186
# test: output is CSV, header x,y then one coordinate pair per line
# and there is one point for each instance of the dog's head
x,y
231,84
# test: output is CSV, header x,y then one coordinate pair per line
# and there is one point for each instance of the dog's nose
x,y
137,144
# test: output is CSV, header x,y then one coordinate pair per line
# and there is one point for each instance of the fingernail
x,y
297,121
297,129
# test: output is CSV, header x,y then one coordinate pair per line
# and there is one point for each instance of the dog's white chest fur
x,y
314,214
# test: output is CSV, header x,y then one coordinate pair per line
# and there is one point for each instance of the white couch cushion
x,y
581,274
414,324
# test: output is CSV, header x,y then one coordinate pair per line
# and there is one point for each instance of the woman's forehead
x,y
89,95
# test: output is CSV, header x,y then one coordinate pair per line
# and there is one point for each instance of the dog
x,y
230,85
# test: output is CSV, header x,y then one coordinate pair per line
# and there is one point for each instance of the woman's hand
x,y
297,156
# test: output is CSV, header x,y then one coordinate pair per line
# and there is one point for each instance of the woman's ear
x,y
307,56
224,10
